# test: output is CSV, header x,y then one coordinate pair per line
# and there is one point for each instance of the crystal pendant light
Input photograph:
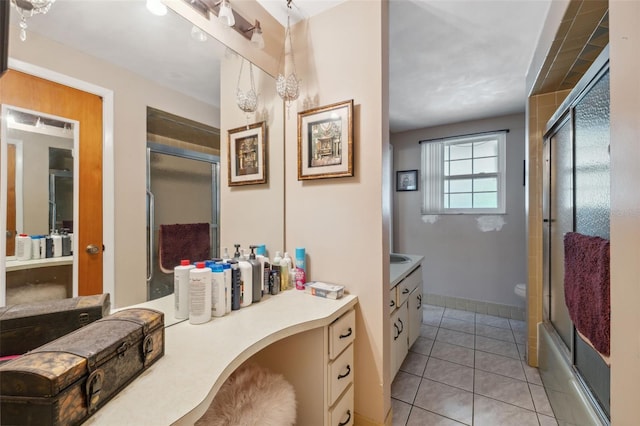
x,y
247,101
287,86
225,15
28,8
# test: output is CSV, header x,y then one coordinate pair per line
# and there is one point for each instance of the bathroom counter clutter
x,y
398,271
199,358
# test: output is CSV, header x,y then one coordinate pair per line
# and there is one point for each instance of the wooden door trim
x,y
108,166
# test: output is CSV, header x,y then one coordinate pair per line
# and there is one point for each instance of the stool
x,y
252,395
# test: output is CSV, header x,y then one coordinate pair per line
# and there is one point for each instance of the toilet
x,y
521,290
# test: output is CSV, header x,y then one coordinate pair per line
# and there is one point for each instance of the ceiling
x,y
449,61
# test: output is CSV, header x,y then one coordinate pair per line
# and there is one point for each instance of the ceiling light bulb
x,y
257,40
156,7
225,15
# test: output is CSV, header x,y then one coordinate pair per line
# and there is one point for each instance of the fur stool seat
x,y
252,395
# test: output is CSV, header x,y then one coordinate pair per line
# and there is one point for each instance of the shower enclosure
x,y
182,188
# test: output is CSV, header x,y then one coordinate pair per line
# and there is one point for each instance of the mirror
x,y
40,198
147,61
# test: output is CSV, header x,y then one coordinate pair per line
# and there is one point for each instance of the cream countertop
x,y
398,271
199,358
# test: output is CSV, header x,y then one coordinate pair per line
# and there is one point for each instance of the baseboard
x,y
489,308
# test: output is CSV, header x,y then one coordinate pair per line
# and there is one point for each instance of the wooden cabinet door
x,y
25,91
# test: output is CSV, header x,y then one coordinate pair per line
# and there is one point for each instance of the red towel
x,y
183,241
586,287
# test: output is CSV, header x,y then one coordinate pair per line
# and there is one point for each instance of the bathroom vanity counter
x,y
199,358
398,271
18,265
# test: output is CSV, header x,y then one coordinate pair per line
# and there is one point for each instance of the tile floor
x,y
469,369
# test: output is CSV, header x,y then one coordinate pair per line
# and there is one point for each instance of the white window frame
x,y
433,175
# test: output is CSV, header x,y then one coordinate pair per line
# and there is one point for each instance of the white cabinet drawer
x,y
403,291
340,374
341,333
342,414
393,299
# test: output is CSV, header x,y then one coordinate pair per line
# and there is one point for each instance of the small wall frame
x,y
407,180
247,155
325,141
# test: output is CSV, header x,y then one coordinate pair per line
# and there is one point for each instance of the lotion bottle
x,y
246,283
217,290
257,276
181,289
199,294
23,247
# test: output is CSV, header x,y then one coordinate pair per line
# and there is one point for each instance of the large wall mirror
x,y
143,59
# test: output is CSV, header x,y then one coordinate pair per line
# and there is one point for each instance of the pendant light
x,y
287,86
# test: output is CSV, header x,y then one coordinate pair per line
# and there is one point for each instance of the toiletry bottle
x,y
181,288
209,264
285,266
225,255
246,283
57,244
300,275
226,269
276,265
49,246
235,285
274,280
199,294
66,242
23,247
35,246
217,290
266,273
43,247
237,255
256,273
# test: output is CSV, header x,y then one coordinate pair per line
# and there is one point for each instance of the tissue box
x,y
330,291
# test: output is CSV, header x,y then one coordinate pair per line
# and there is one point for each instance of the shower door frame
x,y
214,160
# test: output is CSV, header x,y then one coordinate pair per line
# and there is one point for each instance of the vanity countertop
x,y
17,265
398,271
199,358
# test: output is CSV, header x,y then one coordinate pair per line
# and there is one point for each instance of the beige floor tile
x,y
532,374
541,400
420,417
451,374
422,346
503,388
489,412
495,346
493,321
453,353
499,364
518,325
414,363
428,331
495,332
460,315
401,412
454,403
547,420
432,315
520,336
405,386
456,338
458,325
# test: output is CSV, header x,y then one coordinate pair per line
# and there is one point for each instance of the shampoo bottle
x,y
256,274
23,247
235,285
199,294
285,278
181,289
246,283
217,290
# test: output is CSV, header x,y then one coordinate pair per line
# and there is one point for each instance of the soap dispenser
x,y
256,272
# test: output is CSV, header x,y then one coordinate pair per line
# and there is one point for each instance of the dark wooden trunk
x,y
65,381
25,327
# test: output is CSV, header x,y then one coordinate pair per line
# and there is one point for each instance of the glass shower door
x,y
182,188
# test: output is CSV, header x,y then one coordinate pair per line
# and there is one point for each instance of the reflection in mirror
x,y
40,204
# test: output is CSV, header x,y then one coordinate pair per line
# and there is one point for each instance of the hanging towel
x,y
586,287
183,241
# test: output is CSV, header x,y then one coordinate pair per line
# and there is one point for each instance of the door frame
x,y
108,166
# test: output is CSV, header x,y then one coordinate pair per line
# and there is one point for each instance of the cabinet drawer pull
x,y
342,376
346,422
397,332
392,303
344,336
401,325
419,301
405,291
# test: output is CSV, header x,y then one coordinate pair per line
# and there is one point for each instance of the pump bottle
x,y
199,294
181,289
256,274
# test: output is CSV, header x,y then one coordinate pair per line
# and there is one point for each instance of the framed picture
x,y
407,180
325,142
247,155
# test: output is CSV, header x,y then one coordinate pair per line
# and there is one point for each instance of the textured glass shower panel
x,y
183,190
592,161
561,222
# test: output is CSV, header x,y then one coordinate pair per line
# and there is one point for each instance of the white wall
x,y
132,95
460,259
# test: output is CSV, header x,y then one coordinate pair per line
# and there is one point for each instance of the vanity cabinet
x,y
341,370
406,316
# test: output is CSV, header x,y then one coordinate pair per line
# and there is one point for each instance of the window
x,y
464,174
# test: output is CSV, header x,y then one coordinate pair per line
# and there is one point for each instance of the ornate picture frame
x,y
247,155
407,180
325,141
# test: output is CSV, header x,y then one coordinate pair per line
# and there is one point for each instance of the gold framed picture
x,y
247,155
325,141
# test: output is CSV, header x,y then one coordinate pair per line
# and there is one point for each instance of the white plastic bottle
x,y
199,294
218,298
57,244
246,283
35,246
227,287
276,265
23,247
285,266
181,289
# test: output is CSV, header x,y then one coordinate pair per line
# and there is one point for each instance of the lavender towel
x,y
586,287
183,241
